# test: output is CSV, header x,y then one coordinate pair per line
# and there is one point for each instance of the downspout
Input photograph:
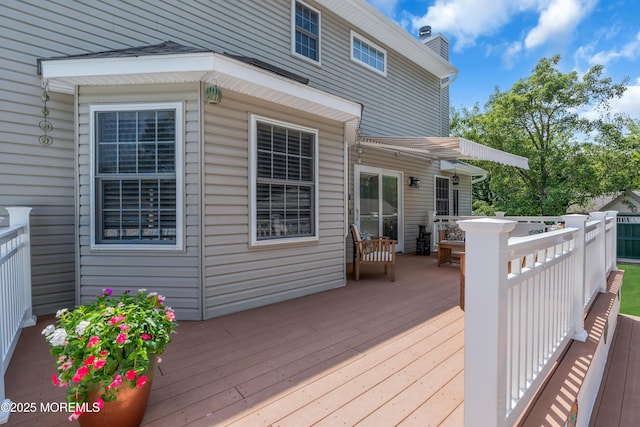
x,y
479,179
347,199
450,80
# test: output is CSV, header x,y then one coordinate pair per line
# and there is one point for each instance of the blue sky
x,y
498,42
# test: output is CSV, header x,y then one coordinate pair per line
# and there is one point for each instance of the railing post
x,y
19,215
579,257
602,249
613,245
485,321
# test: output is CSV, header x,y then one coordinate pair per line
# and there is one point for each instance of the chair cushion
x,y
453,232
377,256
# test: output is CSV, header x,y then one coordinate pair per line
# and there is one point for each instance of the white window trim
x,y
370,43
293,33
253,175
435,193
179,244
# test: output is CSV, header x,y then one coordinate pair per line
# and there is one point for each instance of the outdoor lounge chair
x,y
373,250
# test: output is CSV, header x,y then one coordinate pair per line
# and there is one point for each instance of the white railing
x,y
525,225
525,300
15,291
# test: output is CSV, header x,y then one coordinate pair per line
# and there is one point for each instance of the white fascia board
x,y
241,77
62,75
110,66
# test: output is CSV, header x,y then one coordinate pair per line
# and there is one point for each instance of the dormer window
x,y
306,31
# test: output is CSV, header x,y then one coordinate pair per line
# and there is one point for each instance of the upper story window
x,y
284,182
442,196
137,185
306,31
368,54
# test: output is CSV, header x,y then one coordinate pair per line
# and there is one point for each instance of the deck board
x,y
373,353
334,357
618,400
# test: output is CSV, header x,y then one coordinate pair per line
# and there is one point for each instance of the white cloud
x,y
510,53
630,51
558,20
466,20
629,103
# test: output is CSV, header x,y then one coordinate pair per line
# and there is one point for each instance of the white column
x,y
485,375
578,291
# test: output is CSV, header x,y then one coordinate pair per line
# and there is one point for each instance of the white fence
x,y
525,299
15,290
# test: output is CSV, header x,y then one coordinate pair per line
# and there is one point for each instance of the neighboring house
x,y
144,182
627,202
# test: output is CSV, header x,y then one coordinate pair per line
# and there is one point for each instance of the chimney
x,y
425,32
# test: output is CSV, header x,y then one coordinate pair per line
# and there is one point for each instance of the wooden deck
x,y
374,353
618,402
371,353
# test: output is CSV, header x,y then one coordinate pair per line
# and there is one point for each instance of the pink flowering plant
x,y
108,344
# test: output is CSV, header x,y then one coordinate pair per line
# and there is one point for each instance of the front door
x,y
379,203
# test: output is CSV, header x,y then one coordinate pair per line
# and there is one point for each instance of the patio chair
x,y
378,250
450,244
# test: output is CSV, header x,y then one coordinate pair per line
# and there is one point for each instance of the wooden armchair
x,y
450,244
374,250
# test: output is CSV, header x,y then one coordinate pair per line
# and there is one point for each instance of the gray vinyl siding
x,y
406,102
174,274
237,276
38,176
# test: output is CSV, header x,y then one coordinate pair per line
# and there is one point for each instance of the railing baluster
x,y
15,290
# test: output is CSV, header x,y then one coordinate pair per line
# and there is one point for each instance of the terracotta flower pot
x,y
127,410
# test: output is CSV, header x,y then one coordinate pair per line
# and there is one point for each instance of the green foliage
x,y
482,208
107,342
572,156
630,293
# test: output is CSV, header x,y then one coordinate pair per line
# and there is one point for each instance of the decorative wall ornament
x,y
630,205
45,125
213,93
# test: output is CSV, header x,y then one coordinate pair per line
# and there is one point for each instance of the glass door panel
x,y
369,203
390,207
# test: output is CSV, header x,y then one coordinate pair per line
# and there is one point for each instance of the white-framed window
x,y
136,169
442,195
305,40
284,182
368,54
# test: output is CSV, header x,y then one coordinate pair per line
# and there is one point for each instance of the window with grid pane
x,y
307,32
368,54
285,182
442,196
135,176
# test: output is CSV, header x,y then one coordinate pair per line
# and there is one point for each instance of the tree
x,y
542,118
